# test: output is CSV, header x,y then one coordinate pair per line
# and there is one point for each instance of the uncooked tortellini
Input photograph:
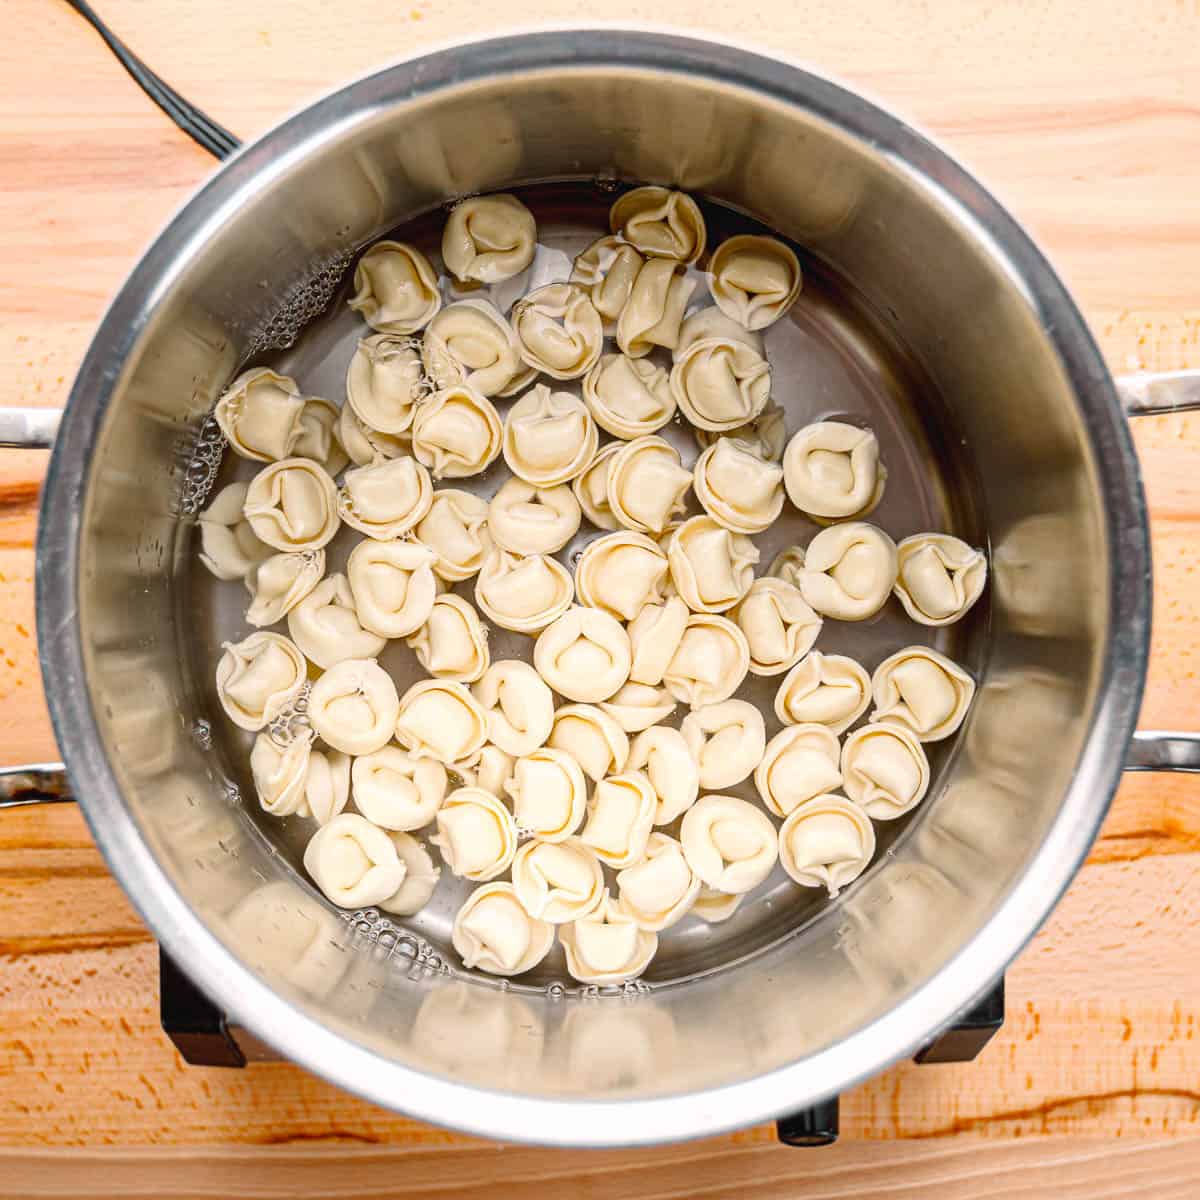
x,y
832,471
353,862
524,594
779,625
647,484
353,706
629,397
848,571
592,738
754,280
518,706
787,565
620,816
823,689
549,437
711,322
884,769
799,763
455,529
584,655
491,769
559,331
712,567
727,741
549,794
713,906
318,438
636,706
476,834
660,889
526,519
654,312
659,221
293,505
654,636
471,343
259,677
738,489
259,413
456,433
396,790
591,488
395,288
229,548
384,382
280,582
366,445
710,662
452,644
327,784
493,932
387,499
326,627
719,383
674,773
489,238
279,773
607,270
440,719
765,436
826,842
729,843
607,946
393,585
557,881
939,577
923,690
621,573
420,876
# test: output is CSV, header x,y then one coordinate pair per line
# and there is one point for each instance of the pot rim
x,y
301,1038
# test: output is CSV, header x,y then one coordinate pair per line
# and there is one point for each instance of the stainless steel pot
x,y
1062,654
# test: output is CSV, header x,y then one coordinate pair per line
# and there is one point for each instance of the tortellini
x,y
654,311
727,741
365,445
647,484
848,571
559,331
592,738
621,573
607,270
557,882
549,794
455,528
456,433
395,288
326,627
318,438
353,707
884,769
258,678
738,489
780,626
765,436
279,773
654,636
729,843
526,519
711,322
493,932
440,719
939,577
420,876
584,655
396,790
476,834
386,499
470,343
393,584
827,842
607,946
674,772
489,238
636,706
452,643
787,565
713,906
491,770
719,383
591,488
293,505
259,414
549,437
518,706
832,471
660,889
659,221
354,863
923,690
799,763
229,547
327,784
620,816
712,568
279,583
754,280
629,397
710,662
823,689
524,594
385,382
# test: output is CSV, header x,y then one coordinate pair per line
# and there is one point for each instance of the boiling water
x,y
831,357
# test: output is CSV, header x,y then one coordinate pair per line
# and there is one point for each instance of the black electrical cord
x,y
217,140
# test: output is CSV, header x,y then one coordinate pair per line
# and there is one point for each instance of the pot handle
x,y
29,428
37,783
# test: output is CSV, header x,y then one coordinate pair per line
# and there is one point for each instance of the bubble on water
x,y
233,793
202,733
201,460
556,990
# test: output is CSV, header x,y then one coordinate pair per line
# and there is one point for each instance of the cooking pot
x,y
1040,459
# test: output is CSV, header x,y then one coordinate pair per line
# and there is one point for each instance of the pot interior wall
x,y
1016,466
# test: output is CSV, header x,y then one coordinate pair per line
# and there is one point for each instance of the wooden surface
x,y
1085,119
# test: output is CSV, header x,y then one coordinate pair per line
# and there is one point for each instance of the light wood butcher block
x,y
1085,119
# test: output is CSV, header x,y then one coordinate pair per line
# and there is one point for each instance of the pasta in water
x,y
779,625
826,842
787,565
660,889
885,770
452,643
259,414
420,876
365,445
353,862
385,382
441,719
456,433
738,489
493,932
848,571
518,706
259,677
393,584
654,312
317,436
620,816
591,488
476,834
293,505
621,573
387,499
710,663
455,528
674,773
606,270
636,707
719,383
395,790
549,794
229,547
526,519
729,843
711,322
754,280
923,690
491,770
327,784
659,221
326,627
939,577
647,484
584,655
592,738
628,397
395,288
470,343
557,882
713,906
549,437
799,763
279,773
558,330
654,636
765,436
726,740
353,706
279,583
489,238
607,946
523,594
711,567
823,689
832,471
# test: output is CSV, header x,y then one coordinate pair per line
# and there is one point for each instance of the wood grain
x,y
1085,119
